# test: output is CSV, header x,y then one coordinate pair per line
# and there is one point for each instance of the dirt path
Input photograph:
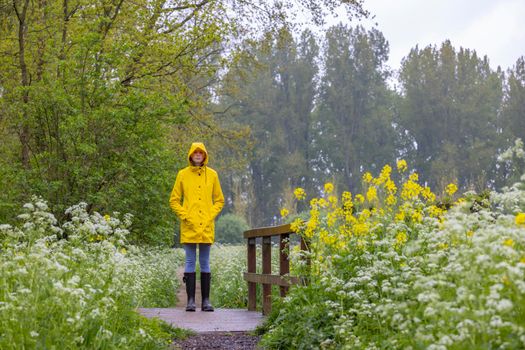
x,y
218,341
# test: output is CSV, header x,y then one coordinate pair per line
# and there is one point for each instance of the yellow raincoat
x,y
199,190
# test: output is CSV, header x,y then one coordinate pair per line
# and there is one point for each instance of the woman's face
x,y
197,157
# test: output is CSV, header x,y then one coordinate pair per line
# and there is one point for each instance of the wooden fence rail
x,y
266,278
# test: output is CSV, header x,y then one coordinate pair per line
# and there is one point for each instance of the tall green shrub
x,y
230,228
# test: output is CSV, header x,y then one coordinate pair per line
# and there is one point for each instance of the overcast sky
x,y
495,28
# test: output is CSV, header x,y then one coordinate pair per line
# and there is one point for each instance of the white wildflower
x,y
504,305
142,333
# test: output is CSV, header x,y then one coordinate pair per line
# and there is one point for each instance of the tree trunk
x,y
24,132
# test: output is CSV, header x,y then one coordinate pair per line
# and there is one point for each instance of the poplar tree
x,y
451,111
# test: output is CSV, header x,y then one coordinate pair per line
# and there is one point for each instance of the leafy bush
x,y
78,285
390,269
230,228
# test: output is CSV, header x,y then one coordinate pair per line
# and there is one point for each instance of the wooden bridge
x,y
241,320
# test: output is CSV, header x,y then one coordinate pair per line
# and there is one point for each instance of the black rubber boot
x,y
205,289
189,279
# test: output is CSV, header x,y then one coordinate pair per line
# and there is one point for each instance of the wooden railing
x,y
266,278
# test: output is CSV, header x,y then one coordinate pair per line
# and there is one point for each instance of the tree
x,y
272,91
99,97
354,119
92,98
513,114
450,109
513,125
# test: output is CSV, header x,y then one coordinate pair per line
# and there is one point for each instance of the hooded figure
x,y
202,200
197,199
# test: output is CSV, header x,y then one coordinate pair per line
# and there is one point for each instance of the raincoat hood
x,y
195,146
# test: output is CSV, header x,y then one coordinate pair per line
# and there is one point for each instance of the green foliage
x,y
452,282
230,228
77,285
94,122
514,102
354,119
450,110
163,331
272,91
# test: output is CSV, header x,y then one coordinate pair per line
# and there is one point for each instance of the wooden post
x,y
267,269
252,286
284,262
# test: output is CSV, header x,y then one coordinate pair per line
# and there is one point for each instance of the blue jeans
x,y
191,256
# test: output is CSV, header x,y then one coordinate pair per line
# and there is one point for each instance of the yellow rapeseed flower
x,y
520,219
390,186
385,173
107,217
400,216
284,212
402,165
299,193
434,211
371,194
509,242
361,229
417,216
470,233
391,200
413,177
410,190
331,219
350,218
459,201
328,187
365,214
333,201
427,194
359,198
401,238
451,189
367,177
327,238
296,225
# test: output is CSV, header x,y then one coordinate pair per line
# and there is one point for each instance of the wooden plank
x,y
252,287
267,270
222,320
275,280
268,231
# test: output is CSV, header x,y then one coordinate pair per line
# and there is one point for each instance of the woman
x,y
197,187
